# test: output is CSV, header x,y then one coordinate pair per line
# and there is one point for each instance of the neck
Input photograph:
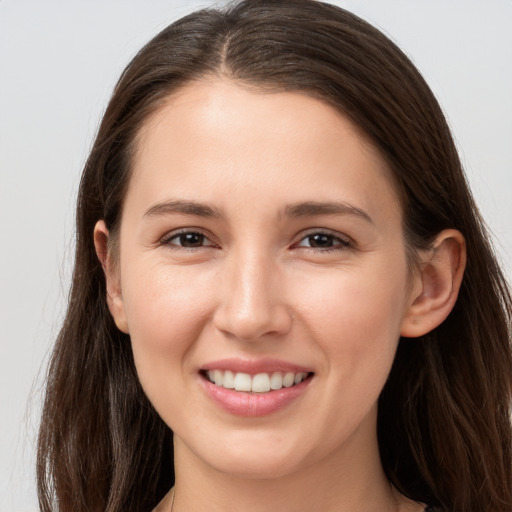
x,y
347,480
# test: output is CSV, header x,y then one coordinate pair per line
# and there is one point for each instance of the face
x,y
261,248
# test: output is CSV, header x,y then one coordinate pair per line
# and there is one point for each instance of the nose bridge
x,y
252,299
252,282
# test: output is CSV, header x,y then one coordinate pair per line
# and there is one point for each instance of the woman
x,y
283,292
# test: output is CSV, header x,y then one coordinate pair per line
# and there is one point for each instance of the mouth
x,y
264,382
254,388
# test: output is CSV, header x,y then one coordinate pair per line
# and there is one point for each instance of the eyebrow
x,y
312,208
184,207
304,209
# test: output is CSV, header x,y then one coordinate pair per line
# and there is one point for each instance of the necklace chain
x,y
172,500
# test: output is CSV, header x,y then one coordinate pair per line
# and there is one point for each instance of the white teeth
x,y
288,379
299,377
218,377
229,380
243,382
276,380
259,383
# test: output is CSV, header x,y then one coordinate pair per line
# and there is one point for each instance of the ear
x,y
436,286
111,270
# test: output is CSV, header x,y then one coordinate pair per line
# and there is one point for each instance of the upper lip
x,y
255,366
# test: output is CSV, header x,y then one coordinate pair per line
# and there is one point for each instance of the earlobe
x,y
437,284
110,268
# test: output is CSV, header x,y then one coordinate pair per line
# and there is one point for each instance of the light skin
x,y
262,225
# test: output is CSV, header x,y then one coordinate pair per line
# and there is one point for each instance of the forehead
x,y
217,135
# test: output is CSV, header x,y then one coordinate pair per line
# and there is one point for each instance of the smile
x,y
259,383
257,388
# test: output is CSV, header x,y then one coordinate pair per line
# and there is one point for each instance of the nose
x,y
252,305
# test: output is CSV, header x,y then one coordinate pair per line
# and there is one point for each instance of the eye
x,y
187,239
326,241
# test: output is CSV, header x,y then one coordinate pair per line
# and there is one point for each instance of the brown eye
x,y
324,241
191,239
320,240
188,240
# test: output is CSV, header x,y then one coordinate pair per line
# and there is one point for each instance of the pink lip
x,y
253,404
241,403
252,367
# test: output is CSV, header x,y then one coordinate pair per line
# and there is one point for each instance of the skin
x,y
256,287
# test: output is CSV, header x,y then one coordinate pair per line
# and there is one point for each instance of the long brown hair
x,y
444,416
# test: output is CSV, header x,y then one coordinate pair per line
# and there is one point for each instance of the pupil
x,y
191,239
320,240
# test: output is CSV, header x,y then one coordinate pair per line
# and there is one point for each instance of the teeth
x,y
276,380
229,380
218,377
288,379
259,383
242,382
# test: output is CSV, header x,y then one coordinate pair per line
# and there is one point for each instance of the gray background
x,y
58,63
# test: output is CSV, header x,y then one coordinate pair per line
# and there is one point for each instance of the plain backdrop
x,y
58,63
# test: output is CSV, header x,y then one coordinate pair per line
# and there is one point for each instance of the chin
x,y
259,456
256,467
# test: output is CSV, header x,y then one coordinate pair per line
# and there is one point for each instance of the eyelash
x,y
340,243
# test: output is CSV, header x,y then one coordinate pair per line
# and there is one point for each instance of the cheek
x,y
356,318
159,298
354,301
166,312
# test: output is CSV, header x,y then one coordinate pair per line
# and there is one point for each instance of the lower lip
x,y
242,403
